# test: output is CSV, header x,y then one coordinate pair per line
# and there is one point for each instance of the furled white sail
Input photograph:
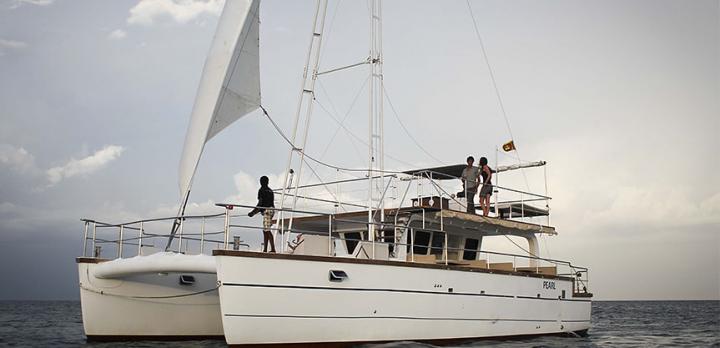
x,y
230,83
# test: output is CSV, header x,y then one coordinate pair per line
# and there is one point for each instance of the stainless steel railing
x,y
564,268
144,233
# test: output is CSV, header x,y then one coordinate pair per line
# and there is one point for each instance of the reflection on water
x,y
615,324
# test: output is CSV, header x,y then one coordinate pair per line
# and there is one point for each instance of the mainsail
x,y
230,84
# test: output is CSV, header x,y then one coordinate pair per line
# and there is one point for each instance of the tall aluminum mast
x,y
376,150
307,92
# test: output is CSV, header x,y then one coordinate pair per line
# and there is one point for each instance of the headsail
x,y
229,86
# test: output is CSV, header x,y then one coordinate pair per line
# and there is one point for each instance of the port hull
x,y
150,306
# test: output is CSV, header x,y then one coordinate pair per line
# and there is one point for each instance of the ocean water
x,y
615,324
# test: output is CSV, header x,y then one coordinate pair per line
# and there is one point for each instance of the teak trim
x,y
237,253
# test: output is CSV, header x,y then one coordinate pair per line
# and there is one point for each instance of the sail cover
x,y
230,83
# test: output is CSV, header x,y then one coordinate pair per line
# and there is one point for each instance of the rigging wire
x,y
494,84
347,114
295,148
397,117
340,124
323,184
504,114
356,136
519,247
332,23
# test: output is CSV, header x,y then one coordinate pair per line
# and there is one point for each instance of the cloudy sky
x,y
620,97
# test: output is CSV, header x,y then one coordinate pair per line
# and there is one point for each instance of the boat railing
x,y
491,260
509,203
196,232
133,238
515,201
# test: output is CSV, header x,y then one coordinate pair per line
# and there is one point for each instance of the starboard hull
x,y
280,300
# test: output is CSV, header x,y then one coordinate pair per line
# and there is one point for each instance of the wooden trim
x,y
542,270
90,260
464,268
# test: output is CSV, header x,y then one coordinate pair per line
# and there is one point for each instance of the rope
x,y
329,31
323,184
280,132
148,297
347,114
354,136
397,117
495,87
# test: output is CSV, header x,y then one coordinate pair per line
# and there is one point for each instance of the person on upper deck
x,y
486,189
469,179
266,199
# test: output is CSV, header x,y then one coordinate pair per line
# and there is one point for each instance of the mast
x,y
376,148
307,93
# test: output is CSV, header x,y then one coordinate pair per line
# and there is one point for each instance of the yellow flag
x,y
509,146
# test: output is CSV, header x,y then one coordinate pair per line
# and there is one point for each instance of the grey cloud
x,y
86,165
10,45
117,34
17,159
17,3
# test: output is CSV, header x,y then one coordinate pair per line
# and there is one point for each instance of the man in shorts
x,y
469,178
266,199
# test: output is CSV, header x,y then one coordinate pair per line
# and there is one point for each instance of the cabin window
x,y
422,240
351,240
454,244
471,246
389,238
437,243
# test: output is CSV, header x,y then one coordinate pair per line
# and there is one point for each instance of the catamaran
x,y
407,262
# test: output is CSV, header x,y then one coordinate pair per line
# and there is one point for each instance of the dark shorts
x,y
486,190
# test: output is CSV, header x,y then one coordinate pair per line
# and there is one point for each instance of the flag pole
x,y
497,183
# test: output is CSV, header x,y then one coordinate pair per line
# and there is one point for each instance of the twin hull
x,y
267,299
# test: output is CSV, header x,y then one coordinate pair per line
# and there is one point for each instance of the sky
x,y
621,98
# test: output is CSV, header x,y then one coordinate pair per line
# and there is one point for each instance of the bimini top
x,y
440,173
455,171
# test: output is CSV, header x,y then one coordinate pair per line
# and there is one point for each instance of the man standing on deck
x,y
469,178
266,199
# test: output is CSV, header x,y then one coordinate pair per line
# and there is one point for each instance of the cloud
x,y
117,34
659,207
17,3
181,11
84,166
7,45
17,158
7,207
12,44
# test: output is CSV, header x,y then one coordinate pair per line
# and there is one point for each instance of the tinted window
x,y
470,246
422,240
437,243
351,240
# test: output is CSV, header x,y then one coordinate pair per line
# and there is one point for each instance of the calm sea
x,y
615,324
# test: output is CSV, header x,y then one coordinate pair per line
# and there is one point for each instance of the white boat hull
x,y
148,305
283,300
